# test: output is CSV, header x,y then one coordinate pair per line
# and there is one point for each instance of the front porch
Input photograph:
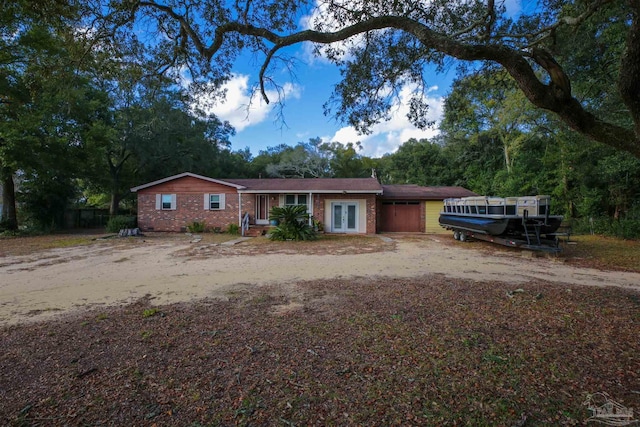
x,y
338,213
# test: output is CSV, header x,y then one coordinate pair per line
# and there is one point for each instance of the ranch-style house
x,y
342,205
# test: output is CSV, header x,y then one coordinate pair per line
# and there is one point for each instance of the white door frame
x,y
265,198
342,225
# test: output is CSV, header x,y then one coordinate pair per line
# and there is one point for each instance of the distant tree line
x,y
83,119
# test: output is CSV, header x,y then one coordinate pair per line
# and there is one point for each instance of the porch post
x,y
310,202
240,209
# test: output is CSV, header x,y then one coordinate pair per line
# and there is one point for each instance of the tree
x,y
418,162
46,109
315,159
346,162
305,160
487,102
383,46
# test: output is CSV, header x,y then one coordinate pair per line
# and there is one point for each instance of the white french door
x,y
344,217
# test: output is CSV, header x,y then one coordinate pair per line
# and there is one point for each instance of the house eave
x,y
290,191
182,175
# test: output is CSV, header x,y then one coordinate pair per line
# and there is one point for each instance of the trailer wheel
x,y
463,236
456,235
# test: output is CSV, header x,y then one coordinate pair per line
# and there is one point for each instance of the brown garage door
x,y
401,217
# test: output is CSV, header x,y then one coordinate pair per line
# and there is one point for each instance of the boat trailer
x,y
538,244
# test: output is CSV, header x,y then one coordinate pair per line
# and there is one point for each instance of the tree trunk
x,y
507,154
9,217
114,171
114,205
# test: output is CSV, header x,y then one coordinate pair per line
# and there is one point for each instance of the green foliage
x,y
233,229
150,312
606,226
305,160
197,227
90,129
117,223
43,200
314,158
418,162
6,227
292,223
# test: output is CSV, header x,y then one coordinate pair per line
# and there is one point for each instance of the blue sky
x,y
260,126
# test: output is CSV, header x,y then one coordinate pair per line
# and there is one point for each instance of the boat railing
x,y
510,206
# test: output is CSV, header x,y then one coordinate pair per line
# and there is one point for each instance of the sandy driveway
x,y
38,286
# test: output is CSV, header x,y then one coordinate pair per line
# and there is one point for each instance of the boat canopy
x,y
486,205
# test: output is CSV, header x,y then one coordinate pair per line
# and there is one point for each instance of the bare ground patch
x,y
325,245
391,351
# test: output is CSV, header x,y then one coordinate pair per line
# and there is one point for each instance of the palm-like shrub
x,y
293,223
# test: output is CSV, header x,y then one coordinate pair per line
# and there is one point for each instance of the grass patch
x,y
149,312
592,251
24,245
602,252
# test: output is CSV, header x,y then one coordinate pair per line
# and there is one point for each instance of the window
x,y
213,202
295,199
166,202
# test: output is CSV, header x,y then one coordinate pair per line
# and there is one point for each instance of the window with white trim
x,y
214,202
295,199
166,202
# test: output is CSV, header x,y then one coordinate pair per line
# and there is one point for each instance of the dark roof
x,y
416,192
285,185
328,185
316,185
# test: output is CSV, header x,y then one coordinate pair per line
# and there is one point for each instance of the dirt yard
x,y
178,268
349,331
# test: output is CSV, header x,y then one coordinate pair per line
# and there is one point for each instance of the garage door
x,y
401,217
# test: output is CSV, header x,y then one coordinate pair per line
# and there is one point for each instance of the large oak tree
x,y
383,45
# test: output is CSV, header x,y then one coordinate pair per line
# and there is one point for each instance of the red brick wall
x,y
189,193
372,216
190,205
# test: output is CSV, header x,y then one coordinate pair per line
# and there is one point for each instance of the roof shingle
x,y
316,185
416,192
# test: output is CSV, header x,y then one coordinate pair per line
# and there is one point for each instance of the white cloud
x,y
514,7
320,19
387,136
242,106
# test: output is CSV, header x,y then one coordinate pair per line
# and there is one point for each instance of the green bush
x,y
4,226
197,227
621,228
233,229
119,222
293,223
